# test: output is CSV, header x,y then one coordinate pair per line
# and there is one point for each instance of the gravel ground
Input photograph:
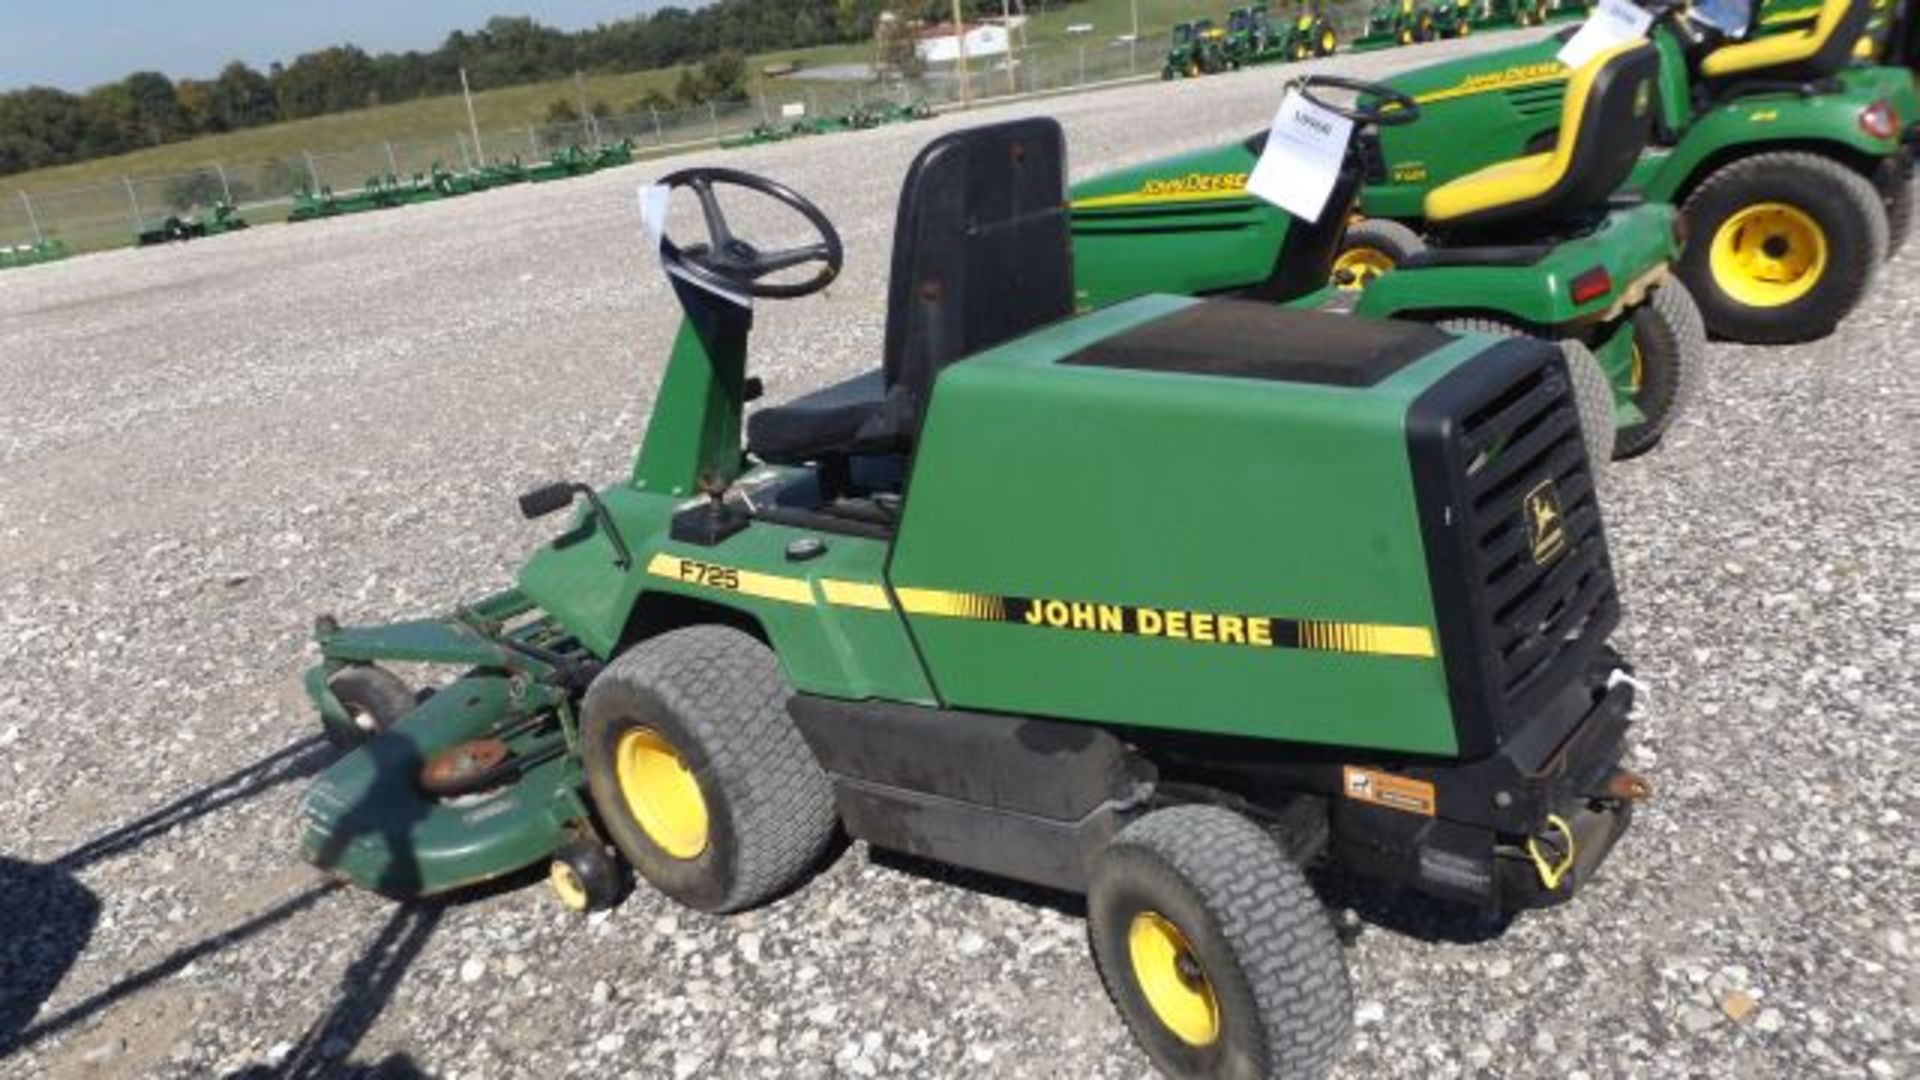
x,y
201,447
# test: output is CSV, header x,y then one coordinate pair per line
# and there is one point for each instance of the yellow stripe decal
x,y
1137,198
731,579
1200,627
855,594
1503,82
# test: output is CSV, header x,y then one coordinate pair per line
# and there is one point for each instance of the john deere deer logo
x,y
1546,524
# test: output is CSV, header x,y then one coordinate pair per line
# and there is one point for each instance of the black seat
x,y
980,256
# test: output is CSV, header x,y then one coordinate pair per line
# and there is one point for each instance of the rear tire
x,y
1898,196
699,775
1215,951
1671,342
1783,246
1592,390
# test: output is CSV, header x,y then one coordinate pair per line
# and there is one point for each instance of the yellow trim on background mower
x,y
1768,254
1171,979
661,793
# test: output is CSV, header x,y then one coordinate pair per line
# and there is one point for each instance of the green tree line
x,y
41,126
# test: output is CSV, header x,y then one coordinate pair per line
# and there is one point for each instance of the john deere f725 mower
x,y
1035,597
1792,163
1540,254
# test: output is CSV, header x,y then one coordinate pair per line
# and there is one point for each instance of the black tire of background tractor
x,y
1592,390
1390,238
1844,204
1899,203
373,696
1672,341
1259,935
718,697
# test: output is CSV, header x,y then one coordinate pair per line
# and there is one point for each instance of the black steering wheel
x,y
727,262
1375,103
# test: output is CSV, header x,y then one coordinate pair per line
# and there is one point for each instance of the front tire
x,y
1784,246
699,775
1216,952
1670,362
375,699
1372,247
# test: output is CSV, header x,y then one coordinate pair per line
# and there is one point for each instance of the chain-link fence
x,y
111,214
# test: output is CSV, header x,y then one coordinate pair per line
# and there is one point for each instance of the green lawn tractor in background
x,y
1509,14
1157,690
1551,260
1395,22
1197,48
1453,18
1792,163
225,217
40,251
1309,34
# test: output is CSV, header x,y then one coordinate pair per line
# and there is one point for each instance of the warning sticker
x,y
1393,792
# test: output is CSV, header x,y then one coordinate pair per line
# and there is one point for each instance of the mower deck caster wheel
x,y
375,699
585,878
1216,951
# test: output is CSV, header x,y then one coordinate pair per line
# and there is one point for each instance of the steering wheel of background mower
x,y
1377,103
727,262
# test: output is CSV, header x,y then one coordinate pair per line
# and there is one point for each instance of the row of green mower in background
x,y
439,182
859,118
1392,23
1253,35
175,228
43,251
1175,546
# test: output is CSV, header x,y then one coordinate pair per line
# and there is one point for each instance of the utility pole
x,y
960,36
586,112
32,219
472,123
133,201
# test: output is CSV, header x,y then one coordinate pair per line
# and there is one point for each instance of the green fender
x,y
1823,123
1630,245
839,650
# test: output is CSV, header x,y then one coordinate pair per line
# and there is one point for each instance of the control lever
x,y
555,497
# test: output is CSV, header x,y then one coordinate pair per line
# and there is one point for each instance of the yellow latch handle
x,y
1551,875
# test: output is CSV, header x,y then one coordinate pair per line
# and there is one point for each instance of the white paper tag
x,y
1302,160
653,218
1614,22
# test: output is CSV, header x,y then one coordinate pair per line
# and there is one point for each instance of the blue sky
x,y
75,44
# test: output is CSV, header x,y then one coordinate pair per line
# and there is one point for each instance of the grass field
x,y
506,108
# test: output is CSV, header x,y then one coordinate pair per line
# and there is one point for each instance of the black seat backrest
x,y
981,252
1836,51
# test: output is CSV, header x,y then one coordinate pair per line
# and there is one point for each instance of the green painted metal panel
x,y
1186,493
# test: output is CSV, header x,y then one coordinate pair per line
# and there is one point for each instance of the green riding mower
x,y
807,622
1309,35
176,228
1254,38
1453,18
40,251
1197,48
1395,22
1792,164
1551,258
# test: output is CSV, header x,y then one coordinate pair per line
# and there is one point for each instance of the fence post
x,y
659,136
226,189
393,163
27,201
313,174
533,143
465,158
133,201
713,120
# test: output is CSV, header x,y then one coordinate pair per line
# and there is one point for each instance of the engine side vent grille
x,y
1523,586
1537,100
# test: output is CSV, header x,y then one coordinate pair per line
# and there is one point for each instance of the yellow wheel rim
x,y
567,886
661,793
1768,254
1362,265
1171,979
